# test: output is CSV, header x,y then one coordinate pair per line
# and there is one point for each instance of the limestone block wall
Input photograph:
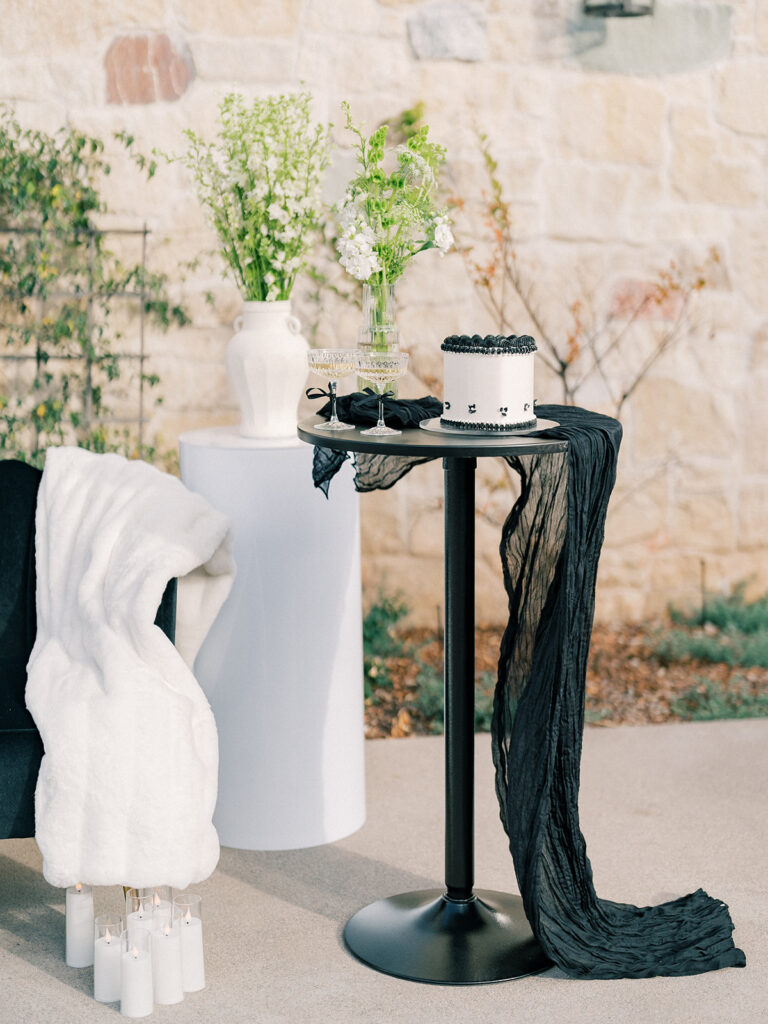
x,y
621,146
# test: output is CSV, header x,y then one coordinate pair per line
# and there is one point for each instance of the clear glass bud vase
x,y
378,332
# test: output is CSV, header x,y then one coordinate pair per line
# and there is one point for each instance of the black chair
x,y
20,745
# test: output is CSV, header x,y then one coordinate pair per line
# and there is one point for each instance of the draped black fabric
x,y
550,548
372,472
362,409
20,745
19,484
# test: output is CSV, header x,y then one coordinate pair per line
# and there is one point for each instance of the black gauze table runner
x,y
550,547
372,472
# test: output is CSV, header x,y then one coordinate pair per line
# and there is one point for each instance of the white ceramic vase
x,y
267,364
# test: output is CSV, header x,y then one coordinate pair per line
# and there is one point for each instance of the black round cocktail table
x,y
457,935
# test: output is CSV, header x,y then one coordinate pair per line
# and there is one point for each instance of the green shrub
x,y
429,699
725,630
729,647
731,612
594,716
708,700
380,640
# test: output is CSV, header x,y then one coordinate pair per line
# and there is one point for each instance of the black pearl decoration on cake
x,y
496,427
491,344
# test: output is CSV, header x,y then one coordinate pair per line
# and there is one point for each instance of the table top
x,y
422,442
230,437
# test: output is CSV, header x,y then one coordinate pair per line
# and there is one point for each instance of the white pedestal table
x,y
282,665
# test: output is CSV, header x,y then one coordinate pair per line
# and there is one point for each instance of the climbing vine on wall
x,y
60,351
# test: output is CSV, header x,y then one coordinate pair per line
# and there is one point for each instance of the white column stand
x,y
282,665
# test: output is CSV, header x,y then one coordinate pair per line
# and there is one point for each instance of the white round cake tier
x,y
488,391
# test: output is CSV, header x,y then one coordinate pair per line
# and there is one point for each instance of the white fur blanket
x,y
128,782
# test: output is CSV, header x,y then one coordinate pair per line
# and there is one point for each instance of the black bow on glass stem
x,y
330,393
318,393
375,394
381,396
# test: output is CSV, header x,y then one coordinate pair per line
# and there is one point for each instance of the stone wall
x,y
621,145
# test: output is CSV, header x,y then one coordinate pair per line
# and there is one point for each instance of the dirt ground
x,y
627,684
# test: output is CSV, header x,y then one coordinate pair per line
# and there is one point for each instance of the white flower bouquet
x,y
260,185
385,217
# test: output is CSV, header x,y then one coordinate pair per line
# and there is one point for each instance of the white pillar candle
x,y
136,983
79,926
162,911
166,965
139,919
106,968
192,962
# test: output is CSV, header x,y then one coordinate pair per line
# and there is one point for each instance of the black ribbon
x,y
318,393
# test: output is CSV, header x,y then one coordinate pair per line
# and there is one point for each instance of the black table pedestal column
x,y
453,936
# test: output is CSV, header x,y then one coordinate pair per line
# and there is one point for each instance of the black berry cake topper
x,y
491,344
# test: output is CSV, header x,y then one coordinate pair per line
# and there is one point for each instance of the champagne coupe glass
x,y
381,369
333,364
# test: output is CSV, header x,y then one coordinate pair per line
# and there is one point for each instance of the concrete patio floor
x,y
665,809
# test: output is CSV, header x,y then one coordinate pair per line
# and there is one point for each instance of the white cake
x,y
488,382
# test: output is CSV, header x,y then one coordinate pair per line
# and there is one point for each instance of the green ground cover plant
x,y
728,629
380,641
700,666
429,699
707,701
731,611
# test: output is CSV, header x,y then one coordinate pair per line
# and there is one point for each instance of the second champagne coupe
x,y
333,364
381,369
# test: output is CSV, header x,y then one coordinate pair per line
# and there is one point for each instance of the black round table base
x,y
425,936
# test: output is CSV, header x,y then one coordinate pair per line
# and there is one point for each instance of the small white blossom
x,y
443,234
415,165
276,212
356,252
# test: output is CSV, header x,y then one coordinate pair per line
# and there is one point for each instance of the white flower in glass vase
x,y
392,211
387,215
